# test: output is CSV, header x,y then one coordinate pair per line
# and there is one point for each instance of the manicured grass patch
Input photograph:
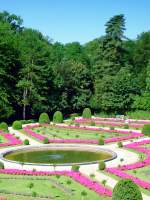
x,y
54,187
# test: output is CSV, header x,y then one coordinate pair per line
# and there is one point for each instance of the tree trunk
x,y
25,91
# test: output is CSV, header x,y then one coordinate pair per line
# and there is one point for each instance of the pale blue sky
x,y
79,20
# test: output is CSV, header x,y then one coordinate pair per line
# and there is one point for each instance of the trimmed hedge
x,y
26,142
87,113
17,125
101,165
101,141
44,118
120,145
126,189
75,168
4,126
1,165
146,129
58,117
45,141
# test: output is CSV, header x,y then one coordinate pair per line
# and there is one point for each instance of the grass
x,y
2,139
66,133
53,187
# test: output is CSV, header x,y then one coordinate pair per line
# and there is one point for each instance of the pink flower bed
x,y
117,119
77,176
110,122
11,140
131,134
120,171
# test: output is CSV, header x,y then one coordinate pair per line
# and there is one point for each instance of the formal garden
x,y
75,157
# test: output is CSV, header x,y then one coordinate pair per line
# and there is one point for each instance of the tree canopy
x,y
110,73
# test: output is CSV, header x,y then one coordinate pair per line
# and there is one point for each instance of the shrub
x,y
126,126
102,165
26,142
46,141
92,123
44,118
120,145
77,124
112,128
1,165
126,189
73,115
57,117
34,194
101,141
75,167
86,113
17,125
4,126
146,129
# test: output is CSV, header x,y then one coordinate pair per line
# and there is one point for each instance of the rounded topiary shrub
x,y
17,125
126,189
120,144
146,129
46,141
57,117
75,167
44,118
4,126
26,142
86,113
101,165
101,141
1,165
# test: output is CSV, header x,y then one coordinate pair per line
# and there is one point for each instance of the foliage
x,y
120,145
146,129
57,117
101,165
75,167
4,126
46,141
1,165
126,189
110,74
26,142
17,125
44,118
86,113
139,114
101,141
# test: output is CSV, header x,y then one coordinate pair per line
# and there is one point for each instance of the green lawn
x,y
66,133
53,187
2,139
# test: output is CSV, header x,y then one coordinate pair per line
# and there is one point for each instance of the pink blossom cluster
x,y
11,140
117,119
131,134
77,176
108,123
120,171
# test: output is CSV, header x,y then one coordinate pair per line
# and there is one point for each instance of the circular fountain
x,y
58,154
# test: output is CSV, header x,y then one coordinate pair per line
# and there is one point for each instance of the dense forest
x,y
109,74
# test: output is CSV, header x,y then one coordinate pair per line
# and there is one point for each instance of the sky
x,y
79,20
